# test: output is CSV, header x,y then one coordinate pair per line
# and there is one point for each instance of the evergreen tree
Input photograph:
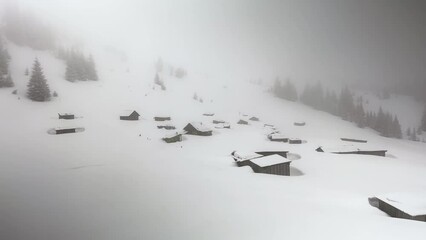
x,y
413,136
4,59
423,124
91,69
38,89
346,106
289,91
360,118
396,133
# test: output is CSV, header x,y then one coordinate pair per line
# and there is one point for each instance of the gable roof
x,y
199,127
411,203
129,112
269,160
240,156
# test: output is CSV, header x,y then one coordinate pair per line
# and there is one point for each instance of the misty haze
x,y
212,119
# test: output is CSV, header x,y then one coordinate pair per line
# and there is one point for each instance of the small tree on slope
x,y
423,126
38,90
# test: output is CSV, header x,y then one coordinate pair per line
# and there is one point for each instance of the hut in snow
x,y
276,137
243,122
208,114
130,116
176,137
161,119
197,128
353,140
255,119
243,158
299,124
295,141
66,116
272,164
402,205
352,150
65,130
218,121
167,127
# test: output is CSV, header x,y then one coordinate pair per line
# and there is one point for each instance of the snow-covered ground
x,y
118,180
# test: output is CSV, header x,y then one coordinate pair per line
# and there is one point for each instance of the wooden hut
x,y
208,114
161,119
276,137
352,150
299,124
353,140
177,137
272,164
295,141
130,116
255,119
218,121
196,128
243,158
243,122
167,127
402,205
223,125
65,130
66,116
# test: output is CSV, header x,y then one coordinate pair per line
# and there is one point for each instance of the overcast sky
x,y
364,40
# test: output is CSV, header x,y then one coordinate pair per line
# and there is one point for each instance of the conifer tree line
x,y
78,66
285,91
342,105
5,77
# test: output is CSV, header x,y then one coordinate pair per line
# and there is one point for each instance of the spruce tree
x,y
396,126
423,124
91,69
38,89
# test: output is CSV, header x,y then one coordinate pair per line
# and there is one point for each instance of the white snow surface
x,y
269,160
109,183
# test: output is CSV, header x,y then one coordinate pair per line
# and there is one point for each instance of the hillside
x,y
118,180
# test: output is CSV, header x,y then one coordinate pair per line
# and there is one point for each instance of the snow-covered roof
x,y
172,135
200,127
269,160
411,203
243,156
127,112
275,136
346,148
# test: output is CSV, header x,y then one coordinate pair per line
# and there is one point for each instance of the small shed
x,y
255,119
167,127
299,124
65,130
161,119
66,116
218,121
176,137
402,205
243,158
223,125
352,150
272,164
353,140
208,114
197,128
276,137
295,141
243,122
130,116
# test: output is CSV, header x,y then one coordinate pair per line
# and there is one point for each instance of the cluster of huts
x,y
65,130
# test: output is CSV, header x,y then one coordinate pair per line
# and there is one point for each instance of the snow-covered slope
x,y
118,180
